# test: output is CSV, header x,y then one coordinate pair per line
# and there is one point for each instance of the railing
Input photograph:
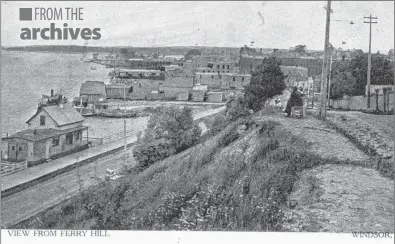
x,y
93,141
9,167
117,136
107,139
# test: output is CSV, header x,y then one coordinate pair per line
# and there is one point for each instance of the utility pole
x,y
312,100
124,122
329,81
322,113
370,53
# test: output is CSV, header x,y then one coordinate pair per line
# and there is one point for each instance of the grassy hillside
x,y
237,181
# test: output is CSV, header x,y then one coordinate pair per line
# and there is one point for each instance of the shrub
x,y
169,131
218,124
148,153
236,108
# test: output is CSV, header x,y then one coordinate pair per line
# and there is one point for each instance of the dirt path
x,y
325,141
383,123
337,198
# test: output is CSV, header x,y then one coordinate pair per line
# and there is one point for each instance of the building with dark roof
x,y
53,131
93,91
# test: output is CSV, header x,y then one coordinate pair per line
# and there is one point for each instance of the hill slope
x,y
236,181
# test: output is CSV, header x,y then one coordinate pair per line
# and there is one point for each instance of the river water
x,y
26,76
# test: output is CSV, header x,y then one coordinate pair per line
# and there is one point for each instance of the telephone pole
x,y
124,125
324,82
370,22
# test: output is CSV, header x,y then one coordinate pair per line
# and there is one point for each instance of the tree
x,y
236,108
301,49
267,81
342,80
391,53
123,51
381,72
169,131
191,53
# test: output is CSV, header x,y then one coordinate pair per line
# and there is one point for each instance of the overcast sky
x,y
234,24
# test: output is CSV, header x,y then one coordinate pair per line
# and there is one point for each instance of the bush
x,y
218,124
236,108
148,153
169,131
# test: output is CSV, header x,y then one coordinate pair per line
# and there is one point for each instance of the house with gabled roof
x,y
53,131
93,91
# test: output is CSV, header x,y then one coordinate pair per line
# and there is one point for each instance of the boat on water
x,y
86,112
118,114
85,60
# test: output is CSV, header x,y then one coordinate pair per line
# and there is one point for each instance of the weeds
x,y
215,186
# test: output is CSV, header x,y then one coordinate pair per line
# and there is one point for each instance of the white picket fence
x,y
12,167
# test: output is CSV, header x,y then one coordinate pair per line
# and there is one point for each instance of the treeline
x,y
116,49
351,77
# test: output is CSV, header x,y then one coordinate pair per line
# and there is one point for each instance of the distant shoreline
x,y
179,50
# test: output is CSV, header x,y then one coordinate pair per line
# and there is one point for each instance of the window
x,y
77,135
204,71
223,66
42,120
20,149
55,141
69,138
212,77
234,79
13,148
228,66
242,79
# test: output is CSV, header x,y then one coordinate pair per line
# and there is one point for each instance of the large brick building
x,y
223,80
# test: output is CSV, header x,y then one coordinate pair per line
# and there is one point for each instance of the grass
x,y
384,166
230,182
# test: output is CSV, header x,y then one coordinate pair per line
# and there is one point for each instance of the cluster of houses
x,y
203,78
208,77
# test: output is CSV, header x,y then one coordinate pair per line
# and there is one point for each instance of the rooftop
x,y
61,115
93,87
41,134
223,74
140,70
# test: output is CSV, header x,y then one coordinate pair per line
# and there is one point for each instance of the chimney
x,y
51,92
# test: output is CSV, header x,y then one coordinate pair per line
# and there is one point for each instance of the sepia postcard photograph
x,y
197,121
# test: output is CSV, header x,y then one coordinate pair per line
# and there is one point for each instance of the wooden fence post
x,y
384,99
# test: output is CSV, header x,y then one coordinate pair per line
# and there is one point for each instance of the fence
x,y
10,167
107,139
382,103
117,136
